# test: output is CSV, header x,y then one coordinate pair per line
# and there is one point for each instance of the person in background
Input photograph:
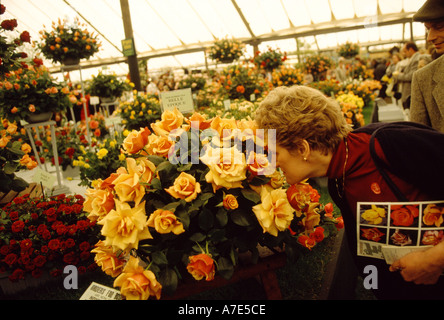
x,y
394,66
314,140
409,50
428,82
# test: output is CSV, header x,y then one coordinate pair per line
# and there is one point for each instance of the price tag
x,y
44,177
97,291
181,99
227,104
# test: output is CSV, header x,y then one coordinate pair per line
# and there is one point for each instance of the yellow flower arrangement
x,y
191,210
226,50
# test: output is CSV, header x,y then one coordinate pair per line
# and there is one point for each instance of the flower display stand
x,y
60,188
35,190
265,268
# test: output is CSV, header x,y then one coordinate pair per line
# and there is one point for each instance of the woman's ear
x,y
304,149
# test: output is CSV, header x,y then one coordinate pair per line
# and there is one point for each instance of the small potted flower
x,y
32,94
107,86
226,50
317,65
68,43
270,59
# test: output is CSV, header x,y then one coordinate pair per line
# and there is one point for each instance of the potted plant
x,y
32,94
43,235
107,86
317,65
348,50
226,50
140,111
270,59
165,216
68,43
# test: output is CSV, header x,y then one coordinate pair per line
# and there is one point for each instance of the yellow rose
x,y
227,167
127,185
226,128
136,140
107,259
165,221
184,187
170,120
374,215
124,226
312,217
137,283
274,213
159,145
142,167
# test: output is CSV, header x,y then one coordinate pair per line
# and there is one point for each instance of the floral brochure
x,y
389,230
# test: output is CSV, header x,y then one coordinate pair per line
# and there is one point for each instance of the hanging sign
x,y
128,47
181,99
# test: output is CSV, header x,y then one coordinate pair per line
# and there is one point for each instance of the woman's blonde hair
x,y
302,113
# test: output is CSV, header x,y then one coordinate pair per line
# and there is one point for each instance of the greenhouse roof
x,y
175,33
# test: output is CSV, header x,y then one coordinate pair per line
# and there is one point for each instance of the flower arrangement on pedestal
x,y
32,90
317,65
68,42
190,199
107,86
287,76
44,235
226,50
240,82
348,50
14,156
140,111
270,59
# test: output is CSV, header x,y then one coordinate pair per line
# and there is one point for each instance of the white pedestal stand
x,y
60,188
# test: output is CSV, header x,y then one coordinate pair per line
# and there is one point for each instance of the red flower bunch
x,y
44,235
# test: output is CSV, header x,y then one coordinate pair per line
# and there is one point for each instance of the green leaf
x,y
159,258
168,279
222,217
240,218
225,268
251,195
197,237
172,206
206,219
10,167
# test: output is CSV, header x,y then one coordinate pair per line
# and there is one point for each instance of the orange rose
x,y
136,140
107,259
98,202
136,283
200,266
159,145
230,202
433,215
170,120
184,187
202,122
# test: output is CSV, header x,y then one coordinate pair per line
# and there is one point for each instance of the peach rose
x,y
165,221
27,162
433,215
12,128
26,148
184,187
136,140
98,202
230,202
137,283
107,259
159,145
227,167
274,213
432,238
312,217
170,120
200,266
124,226
200,120
226,128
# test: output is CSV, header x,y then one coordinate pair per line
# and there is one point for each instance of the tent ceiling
x,y
184,27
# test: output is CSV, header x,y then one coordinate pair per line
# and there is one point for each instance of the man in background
x,y
428,82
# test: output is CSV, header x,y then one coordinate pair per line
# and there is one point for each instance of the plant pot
x,y
39,117
71,61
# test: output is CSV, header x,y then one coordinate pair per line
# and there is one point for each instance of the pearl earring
x,y
305,159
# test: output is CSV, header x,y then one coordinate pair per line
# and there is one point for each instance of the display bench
x,y
34,190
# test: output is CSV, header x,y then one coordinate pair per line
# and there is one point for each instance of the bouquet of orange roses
x,y
193,195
